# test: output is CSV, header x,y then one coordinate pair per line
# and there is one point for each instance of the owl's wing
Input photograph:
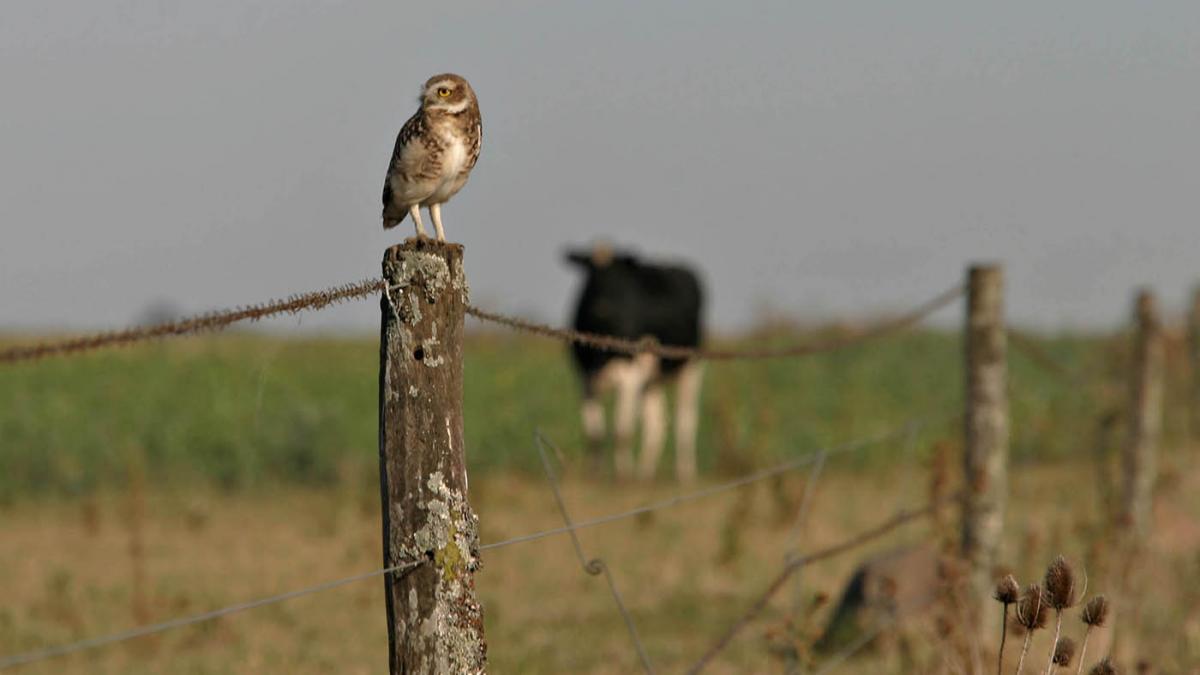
x,y
476,141
402,158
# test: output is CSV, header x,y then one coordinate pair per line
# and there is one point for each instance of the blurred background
x,y
822,165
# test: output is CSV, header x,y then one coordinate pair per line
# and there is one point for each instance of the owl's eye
x,y
443,92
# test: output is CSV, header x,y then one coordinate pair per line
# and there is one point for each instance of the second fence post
x,y
985,452
1194,358
1145,419
435,622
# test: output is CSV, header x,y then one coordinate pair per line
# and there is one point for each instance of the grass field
x,y
238,412
140,485
686,574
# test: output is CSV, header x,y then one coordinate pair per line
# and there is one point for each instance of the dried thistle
x,y
1064,651
1095,612
1060,584
1007,590
1032,610
1104,667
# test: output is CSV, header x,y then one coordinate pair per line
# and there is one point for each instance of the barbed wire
x,y
316,300
211,321
901,517
595,566
62,650
51,652
644,345
1042,358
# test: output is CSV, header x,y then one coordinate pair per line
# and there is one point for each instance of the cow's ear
x,y
581,258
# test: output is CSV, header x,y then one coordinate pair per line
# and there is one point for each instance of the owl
x,y
435,152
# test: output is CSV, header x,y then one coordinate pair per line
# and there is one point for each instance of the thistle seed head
x,y
1064,651
1007,590
1104,667
1032,609
1060,584
1095,612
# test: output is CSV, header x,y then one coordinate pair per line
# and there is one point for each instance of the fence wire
x,y
595,566
212,321
901,517
142,631
1042,358
783,467
316,300
616,344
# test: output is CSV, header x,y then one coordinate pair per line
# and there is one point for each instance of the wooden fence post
x,y
1194,354
985,456
1145,418
435,623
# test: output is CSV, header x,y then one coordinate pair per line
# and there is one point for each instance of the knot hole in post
x,y
419,353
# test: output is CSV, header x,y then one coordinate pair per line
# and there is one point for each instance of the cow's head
x,y
599,257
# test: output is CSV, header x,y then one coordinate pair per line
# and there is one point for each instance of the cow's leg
x,y
654,428
687,417
625,418
631,380
592,412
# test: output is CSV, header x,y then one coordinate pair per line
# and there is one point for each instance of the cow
x,y
630,298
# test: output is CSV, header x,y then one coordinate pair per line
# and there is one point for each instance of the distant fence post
x,y
985,455
435,623
1145,418
1194,353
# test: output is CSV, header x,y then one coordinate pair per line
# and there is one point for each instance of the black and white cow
x,y
630,298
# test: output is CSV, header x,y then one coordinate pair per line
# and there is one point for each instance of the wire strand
x,y
638,346
316,300
595,566
142,631
900,518
754,477
212,321
783,467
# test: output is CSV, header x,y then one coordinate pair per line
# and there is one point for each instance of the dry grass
x,y
68,573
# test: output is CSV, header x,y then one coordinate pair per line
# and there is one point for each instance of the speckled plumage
x,y
434,154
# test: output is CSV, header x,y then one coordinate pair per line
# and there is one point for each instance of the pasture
x,y
149,483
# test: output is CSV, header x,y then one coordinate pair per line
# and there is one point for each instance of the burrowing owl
x,y
435,152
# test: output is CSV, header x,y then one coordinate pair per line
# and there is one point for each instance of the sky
x,y
825,159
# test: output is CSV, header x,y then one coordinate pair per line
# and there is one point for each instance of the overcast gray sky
x,y
824,157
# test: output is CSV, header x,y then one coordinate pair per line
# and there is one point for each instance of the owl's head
x,y
448,93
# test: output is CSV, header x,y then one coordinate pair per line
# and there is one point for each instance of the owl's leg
x,y
435,211
415,212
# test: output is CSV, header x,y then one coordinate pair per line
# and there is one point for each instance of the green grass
x,y
236,411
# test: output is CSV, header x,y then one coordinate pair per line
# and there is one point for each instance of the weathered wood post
x,y
985,456
435,623
1194,358
1139,459
1139,468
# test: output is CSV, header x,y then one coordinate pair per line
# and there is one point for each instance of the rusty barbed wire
x,y
627,346
901,517
315,300
211,321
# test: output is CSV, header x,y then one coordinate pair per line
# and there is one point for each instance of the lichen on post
x,y
435,622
